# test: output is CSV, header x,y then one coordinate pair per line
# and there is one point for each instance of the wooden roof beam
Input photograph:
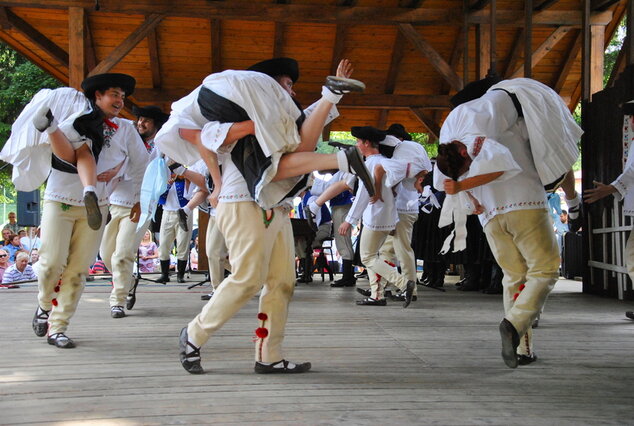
x,y
278,40
518,46
338,48
479,5
128,44
155,64
433,128
544,4
600,5
568,63
543,49
258,11
434,58
91,55
53,69
398,51
216,43
36,37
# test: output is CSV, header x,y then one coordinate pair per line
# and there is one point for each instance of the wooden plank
x,y
585,53
543,50
480,4
76,47
568,63
619,65
514,54
602,4
428,121
434,58
338,48
59,73
278,40
398,51
155,63
528,41
216,45
248,10
483,43
544,4
629,47
597,55
128,44
91,56
36,37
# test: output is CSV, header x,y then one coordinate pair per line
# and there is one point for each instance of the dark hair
x,y
449,160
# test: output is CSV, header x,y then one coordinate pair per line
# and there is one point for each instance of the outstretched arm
x,y
599,191
454,186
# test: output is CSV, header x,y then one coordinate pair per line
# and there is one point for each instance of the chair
x,y
321,263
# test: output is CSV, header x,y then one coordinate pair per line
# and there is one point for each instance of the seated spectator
x,y
6,237
99,268
13,247
193,256
148,253
20,271
32,239
35,256
12,224
4,262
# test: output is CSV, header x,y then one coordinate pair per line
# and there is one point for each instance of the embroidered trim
x,y
513,206
477,146
266,218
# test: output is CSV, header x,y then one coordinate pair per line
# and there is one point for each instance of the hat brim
x,y
107,80
278,66
153,112
368,133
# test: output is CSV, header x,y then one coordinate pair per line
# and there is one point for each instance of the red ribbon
x,y
110,124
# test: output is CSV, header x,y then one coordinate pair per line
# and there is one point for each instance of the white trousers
x,y
399,246
118,250
629,255
261,255
171,230
217,253
69,247
343,242
371,243
524,245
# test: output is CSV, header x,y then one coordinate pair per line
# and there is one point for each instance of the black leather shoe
x,y
630,315
207,296
409,293
363,274
130,300
526,359
61,341
92,210
117,312
281,367
357,167
341,85
182,220
310,218
368,301
401,298
189,361
364,292
510,342
40,328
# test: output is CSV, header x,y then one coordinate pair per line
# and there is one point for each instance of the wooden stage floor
x,y
436,362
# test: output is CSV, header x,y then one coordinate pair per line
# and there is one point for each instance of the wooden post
x,y
585,54
465,55
597,52
483,59
528,41
629,53
493,30
76,47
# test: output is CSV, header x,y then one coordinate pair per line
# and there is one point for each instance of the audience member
x,y
6,237
32,239
4,262
35,256
13,246
12,225
148,253
20,271
193,255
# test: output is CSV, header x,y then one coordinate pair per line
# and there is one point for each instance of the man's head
x,y
368,139
453,159
563,216
11,217
108,91
284,70
21,260
15,239
474,90
398,130
150,119
35,256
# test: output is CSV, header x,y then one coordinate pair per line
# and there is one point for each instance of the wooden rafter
x,y
76,47
398,51
568,63
52,68
430,53
155,64
338,48
514,57
278,42
544,4
216,51
480,4
544,48
128,44
602,4
619,65
91,55
36,37
433,128
262,11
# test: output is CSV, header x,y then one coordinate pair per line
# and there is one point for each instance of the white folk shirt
x,y
415,159
624,184
125,145
495,117
380,216
127,191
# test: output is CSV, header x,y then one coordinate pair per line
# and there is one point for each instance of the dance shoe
x,y
40,322
510,342
189,361
117,312
281,367
368,301
342,85
61,341
92,210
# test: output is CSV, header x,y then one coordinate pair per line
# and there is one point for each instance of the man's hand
x,y
345,68
135,213
109,174
344,228
452,186
213,197
599,191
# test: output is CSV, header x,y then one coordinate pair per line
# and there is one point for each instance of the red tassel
x,y
515,296
54,302
57,289
261,332
522,287
262,316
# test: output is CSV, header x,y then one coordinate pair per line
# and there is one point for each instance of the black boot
x,y
472,277
181,267
348,279
165,271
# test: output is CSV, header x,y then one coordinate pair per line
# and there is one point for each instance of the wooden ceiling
x,y
410,53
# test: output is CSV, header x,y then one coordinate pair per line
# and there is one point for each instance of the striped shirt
x,y
12,274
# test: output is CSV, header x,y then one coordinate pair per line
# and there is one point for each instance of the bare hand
x,y
477,207
452,186
213,197
109,174
599,191
344,228
345,68
135,213
377,195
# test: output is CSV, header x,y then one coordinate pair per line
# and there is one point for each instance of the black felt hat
x,y
399,131
474,90
151,111
278,66
368,133
107,80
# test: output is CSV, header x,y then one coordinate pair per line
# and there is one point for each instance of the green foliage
x,y
612,51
